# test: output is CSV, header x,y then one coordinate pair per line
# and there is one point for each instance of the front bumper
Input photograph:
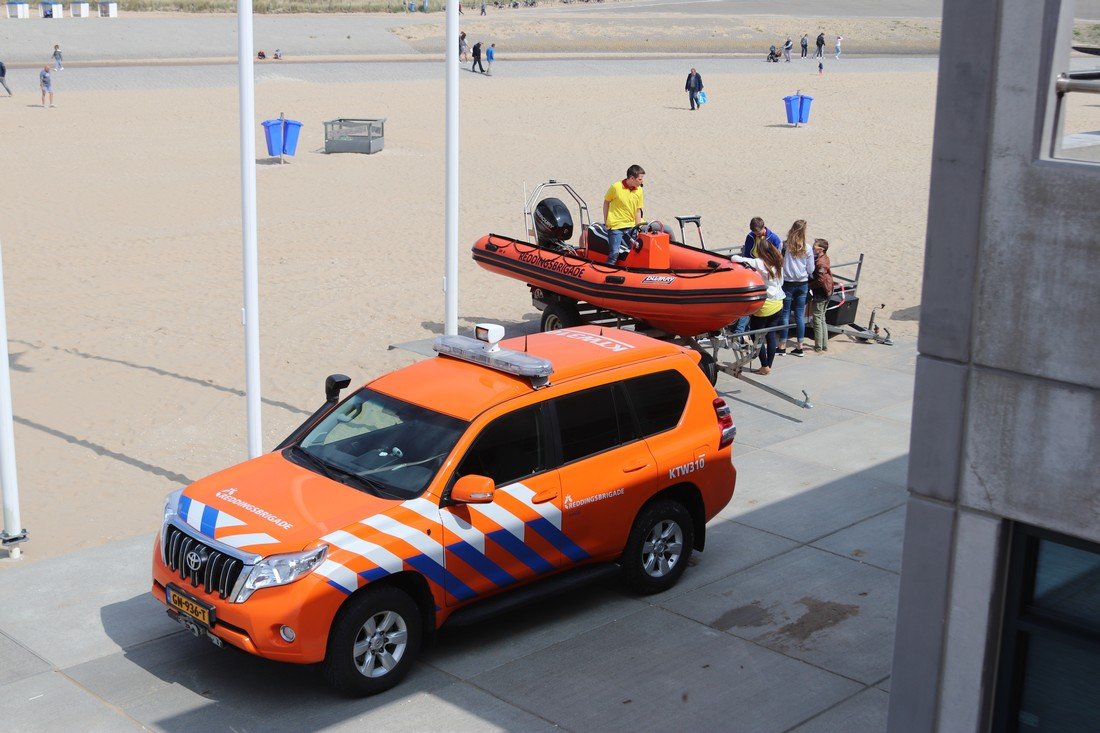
x,y
308,606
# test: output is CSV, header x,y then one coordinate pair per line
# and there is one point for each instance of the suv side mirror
x,y
333,384
473,489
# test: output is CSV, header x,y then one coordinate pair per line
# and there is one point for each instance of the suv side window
x,y
593,421
658,399
509,448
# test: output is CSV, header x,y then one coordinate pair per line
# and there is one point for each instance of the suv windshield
x,y
380,444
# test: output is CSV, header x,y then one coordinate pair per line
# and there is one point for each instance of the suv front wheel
x,y
658,548
373,642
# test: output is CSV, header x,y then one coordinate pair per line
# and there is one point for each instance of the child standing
x,y
821,287
57,58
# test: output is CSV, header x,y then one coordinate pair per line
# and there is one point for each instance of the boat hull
x,y
699,293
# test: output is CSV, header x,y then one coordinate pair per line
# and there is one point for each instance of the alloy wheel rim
x,y
380,644
662,549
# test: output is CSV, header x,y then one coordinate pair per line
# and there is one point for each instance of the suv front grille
x,y
212,569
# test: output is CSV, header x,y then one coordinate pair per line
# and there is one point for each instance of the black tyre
x,y
709,367
658,548
373,642
560,314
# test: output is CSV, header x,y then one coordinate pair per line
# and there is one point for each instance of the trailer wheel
x,y
560,314
709,367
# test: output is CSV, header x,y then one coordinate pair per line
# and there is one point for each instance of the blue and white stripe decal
x,y
339,577
470,547
246,540
207,520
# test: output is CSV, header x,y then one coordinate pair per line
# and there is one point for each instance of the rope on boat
x,y
603,268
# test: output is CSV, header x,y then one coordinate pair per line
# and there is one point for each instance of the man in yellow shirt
x,y
622,210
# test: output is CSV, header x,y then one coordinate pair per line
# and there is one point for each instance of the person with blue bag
x,y
693,87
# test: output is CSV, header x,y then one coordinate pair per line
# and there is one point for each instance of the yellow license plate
x,y
189,606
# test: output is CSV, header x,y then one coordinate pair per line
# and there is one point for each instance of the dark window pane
x,y
588,423
1060,692
659,400
507,450
1067,581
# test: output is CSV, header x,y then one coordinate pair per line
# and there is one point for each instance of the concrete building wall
x,y
1006,416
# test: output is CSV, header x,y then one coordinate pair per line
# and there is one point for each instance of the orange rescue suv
x,y
440,493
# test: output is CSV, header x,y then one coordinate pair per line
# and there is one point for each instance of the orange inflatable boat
x,y
682,290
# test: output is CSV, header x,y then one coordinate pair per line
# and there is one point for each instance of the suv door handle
x,y
544,496
635,467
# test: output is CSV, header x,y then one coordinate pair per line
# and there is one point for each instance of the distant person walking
x,y
838,40
805,43
57,58
477,58
490,57
463,47
820,46
693,86
3,73
787,46
45,83
483,7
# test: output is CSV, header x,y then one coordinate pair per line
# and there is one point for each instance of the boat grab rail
x,y
530,202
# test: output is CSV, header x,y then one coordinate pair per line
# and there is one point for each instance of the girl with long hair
x,y
798,268
769,263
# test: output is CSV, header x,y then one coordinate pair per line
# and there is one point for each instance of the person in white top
x,y
769,263
798,268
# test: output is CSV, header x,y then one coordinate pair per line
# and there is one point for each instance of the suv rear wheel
x,y
373,642
658,548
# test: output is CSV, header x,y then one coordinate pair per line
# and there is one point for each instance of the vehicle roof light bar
x,y
488,353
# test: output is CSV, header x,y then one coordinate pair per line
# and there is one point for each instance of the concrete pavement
x,y
785,623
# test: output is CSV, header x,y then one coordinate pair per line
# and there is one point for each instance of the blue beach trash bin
x,y
290,136
804,109
273,134
790,104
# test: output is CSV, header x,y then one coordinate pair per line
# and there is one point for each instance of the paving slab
x,y
808,604
181,683
901,411
875,541
804,501
51,702
83,606
468,651
656,671
763,420
731,547
869,445
17,663
865,712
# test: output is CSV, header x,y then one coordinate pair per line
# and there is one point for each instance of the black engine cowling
x,y
553,222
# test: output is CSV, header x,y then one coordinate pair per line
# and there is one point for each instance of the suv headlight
x,y
280,570
171,509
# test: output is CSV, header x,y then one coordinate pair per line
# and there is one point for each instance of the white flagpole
x,y
450,271
13,526
251,311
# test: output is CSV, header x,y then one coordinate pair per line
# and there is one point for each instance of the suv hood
x,y
269,505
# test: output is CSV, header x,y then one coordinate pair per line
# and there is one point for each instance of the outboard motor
x,y
553,223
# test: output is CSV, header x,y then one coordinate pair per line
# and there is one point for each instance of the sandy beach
x,y
122,248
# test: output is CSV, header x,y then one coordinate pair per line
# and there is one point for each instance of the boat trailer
x,y
727,351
